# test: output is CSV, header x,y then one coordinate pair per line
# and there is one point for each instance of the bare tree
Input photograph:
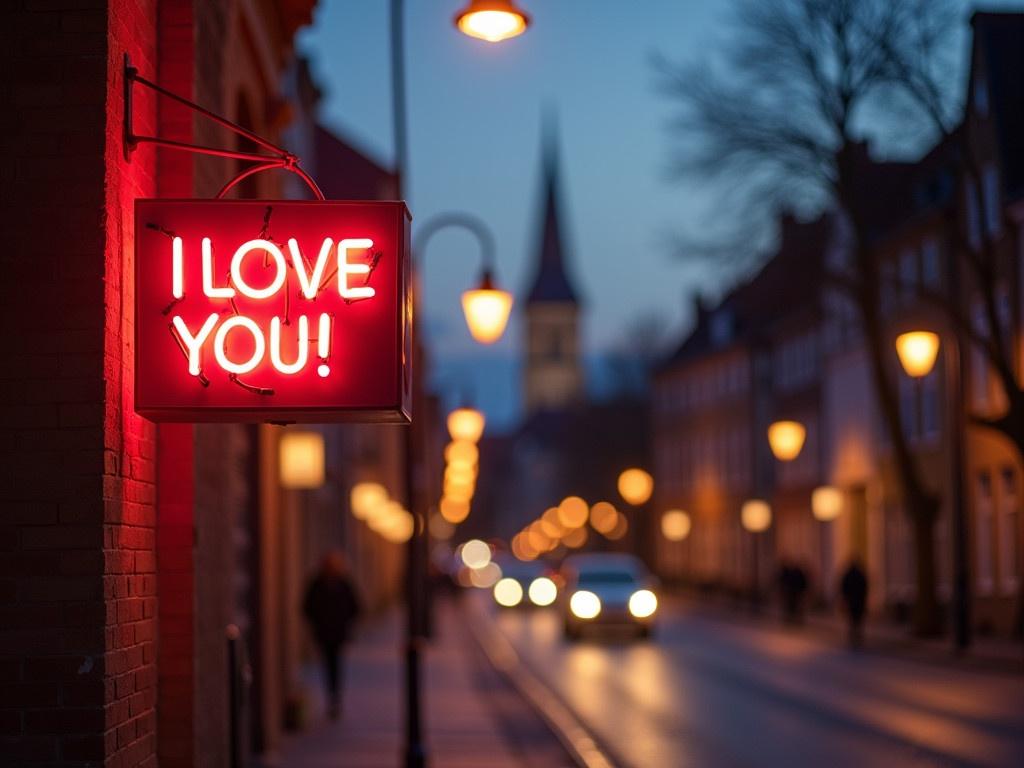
x,y
784,122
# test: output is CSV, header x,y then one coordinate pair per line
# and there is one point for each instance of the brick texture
x,y
78,576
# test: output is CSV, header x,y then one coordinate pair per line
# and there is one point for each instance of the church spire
x,y
551,282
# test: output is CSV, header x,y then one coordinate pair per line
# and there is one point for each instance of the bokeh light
x,y
675,525
573,512
585,604
508,592
643,603
635,486
475,553
542,591
603,517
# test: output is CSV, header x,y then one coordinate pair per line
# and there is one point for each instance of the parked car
x,y
603,589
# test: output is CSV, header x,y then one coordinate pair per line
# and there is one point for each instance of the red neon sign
x,y
272,311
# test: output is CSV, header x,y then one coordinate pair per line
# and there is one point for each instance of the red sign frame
x,y
234,300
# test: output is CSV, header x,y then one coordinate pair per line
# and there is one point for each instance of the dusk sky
x,y
475,123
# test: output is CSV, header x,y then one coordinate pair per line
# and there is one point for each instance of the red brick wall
x,y
77,582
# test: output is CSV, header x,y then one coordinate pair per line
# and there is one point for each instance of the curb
x,y
577,740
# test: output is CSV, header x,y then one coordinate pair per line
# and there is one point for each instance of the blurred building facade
x,y
135,550
787,345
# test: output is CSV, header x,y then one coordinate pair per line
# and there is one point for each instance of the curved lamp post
x,y
917,352
485,307
756,517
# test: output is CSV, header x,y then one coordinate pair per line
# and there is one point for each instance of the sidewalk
x,y
985,653
471,719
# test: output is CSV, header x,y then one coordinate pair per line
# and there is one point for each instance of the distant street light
x,y
786,439
466,424
826,503
675,525
917,351
756,515
636,486
492,20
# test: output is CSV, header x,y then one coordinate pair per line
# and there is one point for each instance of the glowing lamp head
x,y
487,309
917,351
302,460
675,525
585,604
492,20
786,439
826,503
466,424
636,486
643,603
756,515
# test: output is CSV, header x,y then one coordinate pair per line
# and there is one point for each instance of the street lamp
x,y
917,352
492,20
826,503
675,525
756,517
635,486
786,439
486,308
466,424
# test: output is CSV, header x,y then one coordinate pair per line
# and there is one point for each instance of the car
x,y
524,584
607,590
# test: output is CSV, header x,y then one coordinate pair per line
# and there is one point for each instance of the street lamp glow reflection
x,y
643,603
786,439
542,591
585,604
365,497
917,351
508,593
492,20
486,309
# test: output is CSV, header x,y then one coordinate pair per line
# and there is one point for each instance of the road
x,y
712,692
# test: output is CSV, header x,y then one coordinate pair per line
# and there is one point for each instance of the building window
x,y
983,528
931,269
1009,531
993,211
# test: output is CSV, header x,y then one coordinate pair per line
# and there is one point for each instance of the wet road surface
x,y
710,692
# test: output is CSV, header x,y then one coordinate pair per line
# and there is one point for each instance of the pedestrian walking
x,y
331,607
854,588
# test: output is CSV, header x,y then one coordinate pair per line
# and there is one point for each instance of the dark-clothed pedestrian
x,y
792,586
854,588
331,606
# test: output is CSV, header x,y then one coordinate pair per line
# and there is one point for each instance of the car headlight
x,y
508,592
542,591
643,603
584,604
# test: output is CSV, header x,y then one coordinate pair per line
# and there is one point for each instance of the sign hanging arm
x,y
274,157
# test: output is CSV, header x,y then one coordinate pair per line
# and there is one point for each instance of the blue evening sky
x,y
475,120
